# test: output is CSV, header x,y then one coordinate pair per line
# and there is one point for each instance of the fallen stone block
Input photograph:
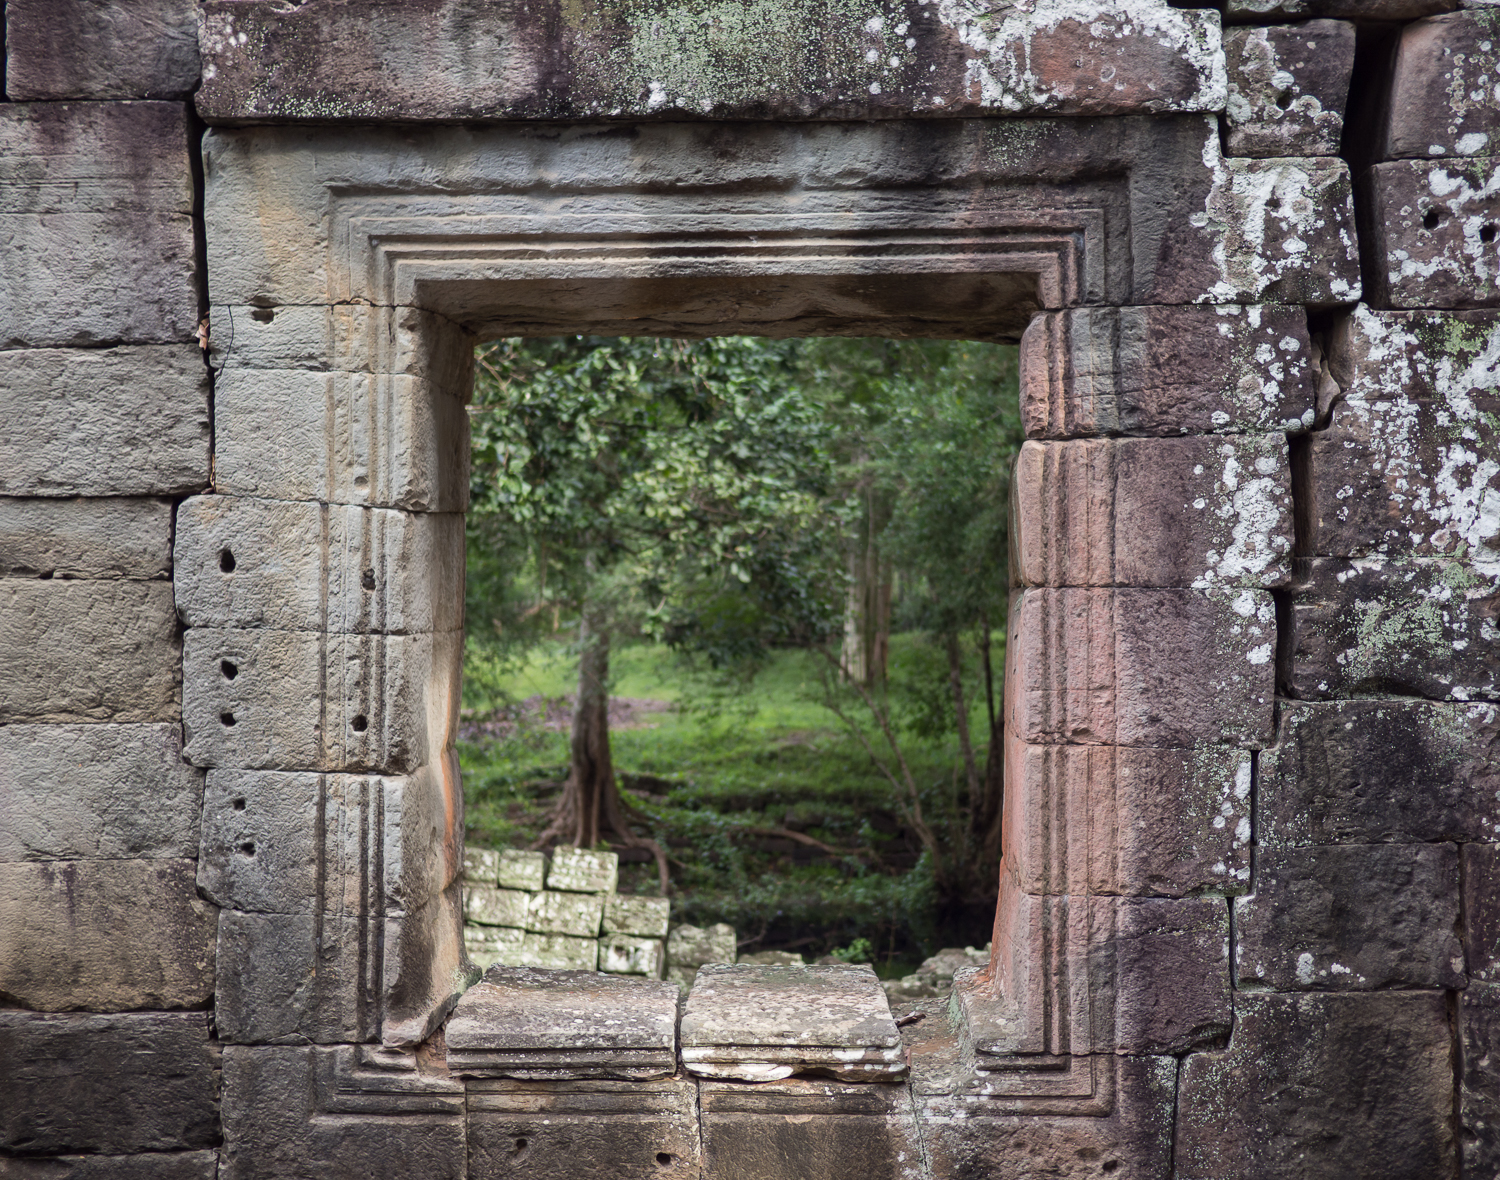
x,y
577,914
645,916
116,538
1432,230
74,49
577,870
623,954
1442,99
485,905
1287,88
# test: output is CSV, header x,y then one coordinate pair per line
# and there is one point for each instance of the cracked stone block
x,y
577,914
98,248
1479,1083
1322,1086
1384,771
520,870
1444,100
1166,371
525,1023
129,1082
481,865
155,1165
75,49
1351,917
622,954
487,906
70,792
105,935
1404,466
86,538
559,952
1417,627
316,567
759,1023
577,870
1434,233
1203,512
110,649
1287,88
1481,917
645,916
689,947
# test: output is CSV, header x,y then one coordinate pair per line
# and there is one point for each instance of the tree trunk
x,y
961,715
590,804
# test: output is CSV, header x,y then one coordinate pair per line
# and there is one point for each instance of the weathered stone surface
x,y
488,906
1351,917
76,791
577,914
645,916
1287,228
637,1130
1169,975
624,954
116,1084
1419,627
1203,512
689,947
104,935
306,843
156,1165
559,952
1287,88
96,234
125,421
519,869
86,538
76,49
521,1022
317,567
1479,1084
1322,1085
757,1023
348,438
481,865
1172,668
1481,910
1407,464
1106,819
346,1113
487,946
1443,99
330,61
298,700
1166,370
577,870
1432,229
1351,9
1366,772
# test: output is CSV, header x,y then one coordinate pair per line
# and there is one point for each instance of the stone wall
x,y
1247,919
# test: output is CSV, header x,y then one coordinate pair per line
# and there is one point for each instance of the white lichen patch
x,y
1253,503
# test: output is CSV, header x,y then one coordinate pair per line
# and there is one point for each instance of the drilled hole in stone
x,y
1284,99
1111,1165
1487,233
239,805
263,315
229,668
663,1158
522,1144
248,847
226,561
359,724
368,580
1274,205
1431,219
226,718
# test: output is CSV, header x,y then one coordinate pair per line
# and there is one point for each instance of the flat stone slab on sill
x,y
758,1023
523,1022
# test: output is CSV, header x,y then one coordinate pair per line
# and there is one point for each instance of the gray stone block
x,y
1479,1084
689,947
113,791
577,870
645,916
96,236
1166,963
559,952
88,651
485,905
116,49
577,914
156,1165
86,538
624,954
1481,912
104,935
1351,917
303,566
1431,231
124,421
518,869
487,946
1351,9
112,1084
1287,88
481,865
1442,100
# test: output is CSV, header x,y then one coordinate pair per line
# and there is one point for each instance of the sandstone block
x,y
1433,233
1479,1085
487,906
645,916
350,438
577,914
348,1112
1322,1086
560,952
1368,772
689,947
1287,88
97,244
104,935
76,49
118,1084
1166,370
1166,962
488,946
86,538
519,869
1202,512
125,421
1481,914
1443,100
1112,667
1418,627
1404,466
307,843
155,1165
1351,917
481,865
302,566
1352,9
70,792
307,700
1096,59
87,651
623,954
577,870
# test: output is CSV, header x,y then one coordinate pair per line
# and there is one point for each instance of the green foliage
x,y
858,951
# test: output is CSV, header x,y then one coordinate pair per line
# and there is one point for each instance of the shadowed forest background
x,y
736,608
